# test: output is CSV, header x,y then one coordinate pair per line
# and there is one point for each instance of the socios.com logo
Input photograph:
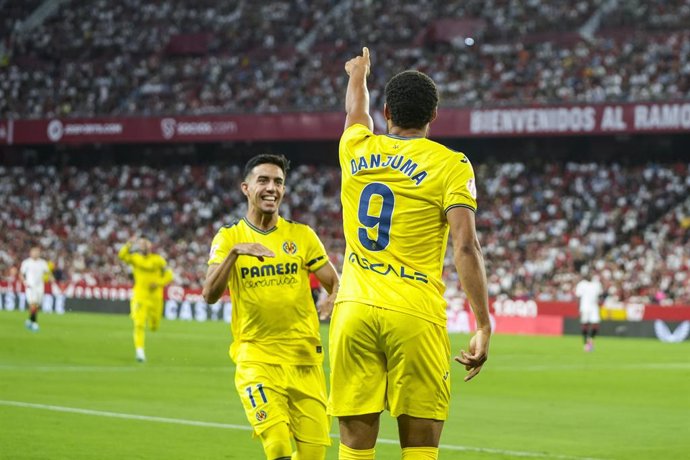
x,y
55,130
168,127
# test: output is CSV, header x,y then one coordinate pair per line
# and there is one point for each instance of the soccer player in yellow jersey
x,y
401,193
151,274
265,262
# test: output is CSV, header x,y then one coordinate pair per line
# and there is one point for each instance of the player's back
x,y
395,192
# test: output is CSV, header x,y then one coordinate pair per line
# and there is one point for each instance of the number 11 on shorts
x,y
260,388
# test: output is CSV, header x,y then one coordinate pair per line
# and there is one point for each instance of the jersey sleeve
x,y
220,247
460,188
352,136
578,289
166,274
316,256
125,255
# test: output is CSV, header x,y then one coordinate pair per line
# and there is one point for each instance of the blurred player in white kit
x,y
33,274
589,291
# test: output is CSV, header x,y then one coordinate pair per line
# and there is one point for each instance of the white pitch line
x,y
133,367
179,421
589,367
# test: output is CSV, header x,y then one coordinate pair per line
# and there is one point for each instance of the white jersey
x,y
588,292
34,271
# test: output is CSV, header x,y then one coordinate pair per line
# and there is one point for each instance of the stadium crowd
x,y
170,56
537,225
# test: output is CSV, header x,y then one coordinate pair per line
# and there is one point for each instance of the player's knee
x,y
308,451
276,442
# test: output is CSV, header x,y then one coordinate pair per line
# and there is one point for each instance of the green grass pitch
x,y
73,391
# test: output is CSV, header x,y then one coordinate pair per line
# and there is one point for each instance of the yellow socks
x,y
420,453
345,453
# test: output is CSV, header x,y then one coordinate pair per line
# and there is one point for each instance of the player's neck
x,y
262,221
409,132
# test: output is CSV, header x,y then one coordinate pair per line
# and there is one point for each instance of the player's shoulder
x,y
229,226
298,229
356,131
447,152
295,225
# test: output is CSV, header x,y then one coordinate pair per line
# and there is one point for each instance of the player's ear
x,y
245,188
434,114
386,112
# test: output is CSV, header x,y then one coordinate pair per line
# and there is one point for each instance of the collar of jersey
x,y
403,138
258,230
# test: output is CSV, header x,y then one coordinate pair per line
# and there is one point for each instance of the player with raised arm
x,y
401,193
151,275
33,273
265,262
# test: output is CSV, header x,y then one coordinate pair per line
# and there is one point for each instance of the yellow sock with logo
x,y
420,453
346,453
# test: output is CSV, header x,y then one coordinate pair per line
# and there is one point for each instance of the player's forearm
x,y
217,280
168,276
469,262
357,95
123,254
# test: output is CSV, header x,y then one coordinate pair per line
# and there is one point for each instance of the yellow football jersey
x,y
274,319
395,193
146,269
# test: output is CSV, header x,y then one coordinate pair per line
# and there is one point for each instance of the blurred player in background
x,y
33,273
589,291
151,275
389,346
265,261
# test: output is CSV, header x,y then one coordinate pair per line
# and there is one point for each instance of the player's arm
x,y
124,254
469,262
217,275
167,277
357,95
21,274
328,278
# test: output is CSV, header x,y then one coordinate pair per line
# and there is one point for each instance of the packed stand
x,y
537,226
653,16
145,58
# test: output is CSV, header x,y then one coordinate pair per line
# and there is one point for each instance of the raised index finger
x,y
365,53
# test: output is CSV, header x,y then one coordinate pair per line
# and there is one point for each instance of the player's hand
x,y
359,63
477,355
326,307
253,249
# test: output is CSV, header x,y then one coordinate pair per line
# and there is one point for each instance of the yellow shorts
x,y
146,310
383,359
296,395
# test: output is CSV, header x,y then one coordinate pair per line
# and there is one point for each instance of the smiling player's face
x,y
264,188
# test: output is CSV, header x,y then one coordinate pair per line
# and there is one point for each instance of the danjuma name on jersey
x,y
394,162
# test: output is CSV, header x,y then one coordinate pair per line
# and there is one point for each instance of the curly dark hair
x,y
278,160
411,97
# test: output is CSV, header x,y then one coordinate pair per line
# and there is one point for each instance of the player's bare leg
x,y
358,435
32,322
419,437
